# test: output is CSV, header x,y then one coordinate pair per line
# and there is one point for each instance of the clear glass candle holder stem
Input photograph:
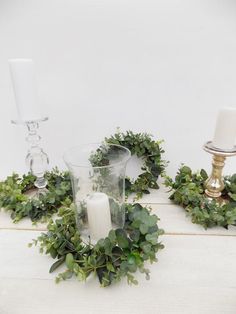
x,y
36,159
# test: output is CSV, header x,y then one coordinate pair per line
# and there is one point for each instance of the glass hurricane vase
x,y
97,174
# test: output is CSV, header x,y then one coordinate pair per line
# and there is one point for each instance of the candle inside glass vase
x,y
97,174
99,216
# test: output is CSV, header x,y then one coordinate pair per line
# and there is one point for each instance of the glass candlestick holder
x,y
36,159
97,174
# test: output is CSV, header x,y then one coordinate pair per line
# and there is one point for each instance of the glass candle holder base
x,y
36,193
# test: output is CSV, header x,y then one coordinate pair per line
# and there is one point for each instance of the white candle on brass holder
x,y
99,216
225,131
24,85
222,146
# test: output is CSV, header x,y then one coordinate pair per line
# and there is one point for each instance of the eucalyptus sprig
x,y
14,198
150,151
188,191
120,254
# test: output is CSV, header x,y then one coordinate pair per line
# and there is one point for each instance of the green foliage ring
x,y
188,191
143,146
13,190
120,254
14,198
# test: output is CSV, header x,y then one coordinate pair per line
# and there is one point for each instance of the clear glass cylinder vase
x,y
97,174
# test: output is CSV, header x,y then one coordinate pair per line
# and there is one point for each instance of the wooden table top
x,y
195,274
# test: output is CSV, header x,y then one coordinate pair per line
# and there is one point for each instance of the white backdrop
x,y
159,66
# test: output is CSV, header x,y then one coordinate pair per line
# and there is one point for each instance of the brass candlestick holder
x,y
214,184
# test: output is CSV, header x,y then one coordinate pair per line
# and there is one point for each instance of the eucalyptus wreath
x,y
120,254
188,191
143,146
14,198
14,190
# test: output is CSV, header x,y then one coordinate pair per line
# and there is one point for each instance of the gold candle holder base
x,y
214,185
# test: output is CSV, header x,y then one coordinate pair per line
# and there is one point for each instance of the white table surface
x,y
195,274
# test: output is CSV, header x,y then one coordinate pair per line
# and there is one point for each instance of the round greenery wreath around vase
x,y
143,146
188,191
120,254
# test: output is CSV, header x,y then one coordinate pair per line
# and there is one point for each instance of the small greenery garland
x,y
143,146
119,255
188,191
14,199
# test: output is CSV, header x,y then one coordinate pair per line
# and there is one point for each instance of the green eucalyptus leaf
x,y
122,239
53,252
143,228
152,238
69,261
203,174
233,196
56,264
112,236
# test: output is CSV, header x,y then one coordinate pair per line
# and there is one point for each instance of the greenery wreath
x,y
14,190
188,191
119,255
143,146
14,198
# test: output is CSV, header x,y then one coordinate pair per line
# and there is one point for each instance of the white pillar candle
x,y
23,81
225,131
99,216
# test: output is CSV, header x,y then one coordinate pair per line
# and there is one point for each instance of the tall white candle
x,y
99,216
225,131
23,81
